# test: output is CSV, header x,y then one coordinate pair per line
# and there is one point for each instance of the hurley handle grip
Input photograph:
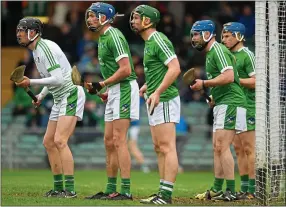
x,y
31,94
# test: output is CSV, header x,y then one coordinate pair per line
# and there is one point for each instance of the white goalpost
x,y
270,51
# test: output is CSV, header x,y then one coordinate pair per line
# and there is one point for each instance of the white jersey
x,y
48,56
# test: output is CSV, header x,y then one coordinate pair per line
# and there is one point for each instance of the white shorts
x,y
229,118
166,112
71,105
123,101
134,132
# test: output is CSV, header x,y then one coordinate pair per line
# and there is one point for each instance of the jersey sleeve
x,y
164,49
117,46
222,59
49,57
250,64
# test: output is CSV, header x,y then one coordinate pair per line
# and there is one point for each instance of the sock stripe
x,y
168,183
167,188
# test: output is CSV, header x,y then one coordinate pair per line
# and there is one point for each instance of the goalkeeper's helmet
x,y
236,29
145,11
27,24
99,9
202,27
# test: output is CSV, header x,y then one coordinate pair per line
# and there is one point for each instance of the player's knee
x,y
108,142
156,148
218,149
165,148
119,141
248,151
49,144
61,144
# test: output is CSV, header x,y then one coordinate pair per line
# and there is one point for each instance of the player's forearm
x,y
120,74
223,79
44,93
171,75
247,82
56,79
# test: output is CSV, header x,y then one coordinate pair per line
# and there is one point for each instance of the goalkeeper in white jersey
x,y
69,100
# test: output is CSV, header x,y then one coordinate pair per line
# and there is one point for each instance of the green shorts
x,y
250,118
230,118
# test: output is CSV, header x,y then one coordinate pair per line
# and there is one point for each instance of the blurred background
x,y
23,126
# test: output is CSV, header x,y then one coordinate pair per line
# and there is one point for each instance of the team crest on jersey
x,y
71,106
230,119
209,76
147,50
125,108
251,120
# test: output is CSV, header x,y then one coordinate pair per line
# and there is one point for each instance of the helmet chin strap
x,y
31,39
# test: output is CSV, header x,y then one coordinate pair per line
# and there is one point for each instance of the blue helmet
x,y
202,27
236,29
99,9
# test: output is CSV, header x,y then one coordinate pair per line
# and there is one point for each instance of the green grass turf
x,y
27,187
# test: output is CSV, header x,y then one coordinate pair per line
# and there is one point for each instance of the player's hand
x,y
24,83
142,90
104,97
212,103
154,98
38,103
198,85
93,88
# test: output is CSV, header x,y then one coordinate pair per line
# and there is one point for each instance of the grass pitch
x,y
27,187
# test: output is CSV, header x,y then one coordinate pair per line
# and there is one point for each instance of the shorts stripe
x,y
72,103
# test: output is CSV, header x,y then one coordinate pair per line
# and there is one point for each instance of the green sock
x,y
251,188
230,184
125,186
218,182
161,184
167,189
111,185
69,183
58,182
244,183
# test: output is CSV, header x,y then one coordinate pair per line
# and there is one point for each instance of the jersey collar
x,y
151,35
241,49
212,45
107,29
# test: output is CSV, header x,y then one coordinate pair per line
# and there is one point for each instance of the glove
x,y
94,88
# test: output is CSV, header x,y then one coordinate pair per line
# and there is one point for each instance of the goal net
x,y
270,51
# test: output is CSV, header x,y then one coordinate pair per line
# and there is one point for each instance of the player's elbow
x,y
127,71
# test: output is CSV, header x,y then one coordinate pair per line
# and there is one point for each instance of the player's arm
x,y
123,72
224,64
43,93
165,51
51,62
171,75
120,52
224,78
250,69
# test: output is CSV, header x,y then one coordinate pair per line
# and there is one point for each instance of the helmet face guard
x,y
202,27
27,25
145,11
236,29
100,9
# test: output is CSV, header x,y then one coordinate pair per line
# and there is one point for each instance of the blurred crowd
x,y
66,26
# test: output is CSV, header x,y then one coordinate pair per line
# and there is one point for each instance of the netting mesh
x,y
270,101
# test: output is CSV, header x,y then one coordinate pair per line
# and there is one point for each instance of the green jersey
x,y
112,46
218,59
245,65
158,52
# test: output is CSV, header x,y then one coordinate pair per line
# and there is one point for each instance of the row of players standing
x,y
161,68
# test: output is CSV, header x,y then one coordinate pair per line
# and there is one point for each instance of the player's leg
x,y
54,159
228,120
111,154
65,128
125,108
71,110
242,163
248,142
163,131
